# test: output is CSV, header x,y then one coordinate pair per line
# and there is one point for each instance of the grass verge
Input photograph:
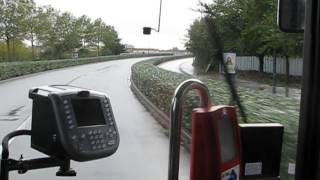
x,y
158,86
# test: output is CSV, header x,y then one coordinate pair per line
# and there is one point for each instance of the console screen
x,y
88,112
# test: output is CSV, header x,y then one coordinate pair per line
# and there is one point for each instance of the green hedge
x,y
159,85
14,69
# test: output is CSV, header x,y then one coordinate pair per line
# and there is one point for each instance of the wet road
x,y
143,150
179,66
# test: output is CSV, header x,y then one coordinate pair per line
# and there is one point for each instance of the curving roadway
x,y
143,150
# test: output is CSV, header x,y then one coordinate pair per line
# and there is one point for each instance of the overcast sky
x,y
129,16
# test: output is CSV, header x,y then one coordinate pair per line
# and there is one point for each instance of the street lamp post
x,y
147,30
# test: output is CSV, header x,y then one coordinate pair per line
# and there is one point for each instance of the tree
x,y
111,41
13,21
239,24
63,37
198,44
32,26
223,25
57,34
228,21
248,27
47,17
96,33
83,24
283,44
2,17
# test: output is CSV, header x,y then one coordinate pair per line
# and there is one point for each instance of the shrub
x,y
158,85
14,69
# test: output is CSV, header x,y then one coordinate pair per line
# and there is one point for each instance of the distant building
x,y
145,50
175,49
129,48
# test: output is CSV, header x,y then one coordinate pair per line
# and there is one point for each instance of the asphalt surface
x,y
179,66
143,150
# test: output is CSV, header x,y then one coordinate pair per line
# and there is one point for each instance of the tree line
x,y
31,32
246,27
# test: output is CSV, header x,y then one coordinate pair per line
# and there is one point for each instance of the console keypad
x,y
93,139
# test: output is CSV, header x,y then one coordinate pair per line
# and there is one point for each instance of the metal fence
x,y
252,63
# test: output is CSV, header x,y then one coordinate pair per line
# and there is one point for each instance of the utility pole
x,y
147,30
